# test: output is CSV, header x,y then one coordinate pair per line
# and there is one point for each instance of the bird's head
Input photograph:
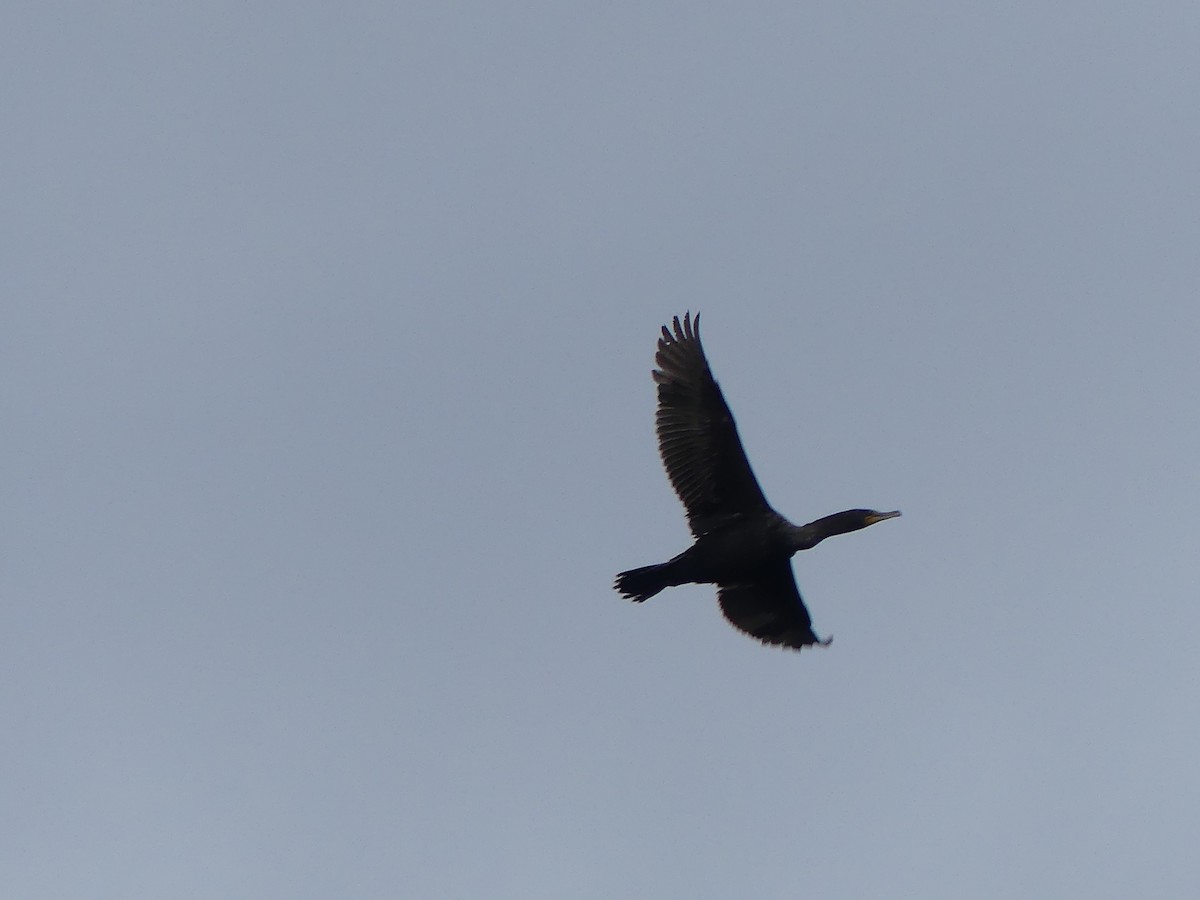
x,y
870,516
851,520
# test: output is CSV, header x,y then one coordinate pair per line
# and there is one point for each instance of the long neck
x,y
802,537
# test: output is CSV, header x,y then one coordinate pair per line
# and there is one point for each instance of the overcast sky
x,y
325,342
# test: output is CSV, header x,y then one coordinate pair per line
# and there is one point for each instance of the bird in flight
x,y
741,544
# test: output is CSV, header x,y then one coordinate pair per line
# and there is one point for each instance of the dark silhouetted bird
x,y
741,544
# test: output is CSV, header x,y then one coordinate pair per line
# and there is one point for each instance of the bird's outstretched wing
x,y
697,438
769,608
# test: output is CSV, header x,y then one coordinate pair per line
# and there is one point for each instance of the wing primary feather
x,y
698,439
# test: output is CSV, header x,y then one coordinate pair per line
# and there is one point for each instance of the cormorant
x,y
741,545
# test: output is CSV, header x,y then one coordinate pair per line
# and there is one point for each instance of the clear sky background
x,y
325,345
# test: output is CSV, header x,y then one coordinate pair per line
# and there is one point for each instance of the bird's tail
x,y
642,584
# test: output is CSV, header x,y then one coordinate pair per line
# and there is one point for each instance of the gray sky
x,y
326,341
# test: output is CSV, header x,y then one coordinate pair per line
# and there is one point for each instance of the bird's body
x,y
737,549
741,544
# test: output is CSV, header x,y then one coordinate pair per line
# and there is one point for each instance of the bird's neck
x,y
804,537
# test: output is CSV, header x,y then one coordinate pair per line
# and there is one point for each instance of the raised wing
x,y
769,608
697,438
